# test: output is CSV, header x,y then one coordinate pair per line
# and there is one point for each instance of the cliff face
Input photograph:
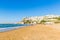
x,y
35,32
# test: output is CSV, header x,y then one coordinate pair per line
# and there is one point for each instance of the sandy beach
x,y
35,32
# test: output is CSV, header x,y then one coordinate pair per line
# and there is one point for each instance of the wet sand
x,y
35,32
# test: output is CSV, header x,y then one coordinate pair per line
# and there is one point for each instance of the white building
x,y
37,19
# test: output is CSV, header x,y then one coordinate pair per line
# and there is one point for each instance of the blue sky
x,y
12,11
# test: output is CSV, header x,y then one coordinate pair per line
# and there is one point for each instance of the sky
x,y
12,11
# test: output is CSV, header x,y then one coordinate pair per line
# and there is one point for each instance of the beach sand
x,y
35,32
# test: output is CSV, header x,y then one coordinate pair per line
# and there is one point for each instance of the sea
x,y
9,27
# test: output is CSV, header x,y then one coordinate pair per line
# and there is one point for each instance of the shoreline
x,y
10,29
34,32
6,29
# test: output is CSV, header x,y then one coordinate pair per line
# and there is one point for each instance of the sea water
x,y
8,27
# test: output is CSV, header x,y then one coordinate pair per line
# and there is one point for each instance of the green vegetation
x,y
42,21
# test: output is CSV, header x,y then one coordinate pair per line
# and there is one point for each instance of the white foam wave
x,y
8,29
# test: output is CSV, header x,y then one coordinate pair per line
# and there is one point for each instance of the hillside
x,y
47,19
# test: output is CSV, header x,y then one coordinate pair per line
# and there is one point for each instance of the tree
x,y
42,21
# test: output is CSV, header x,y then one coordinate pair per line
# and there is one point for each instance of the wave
x,y
9,28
